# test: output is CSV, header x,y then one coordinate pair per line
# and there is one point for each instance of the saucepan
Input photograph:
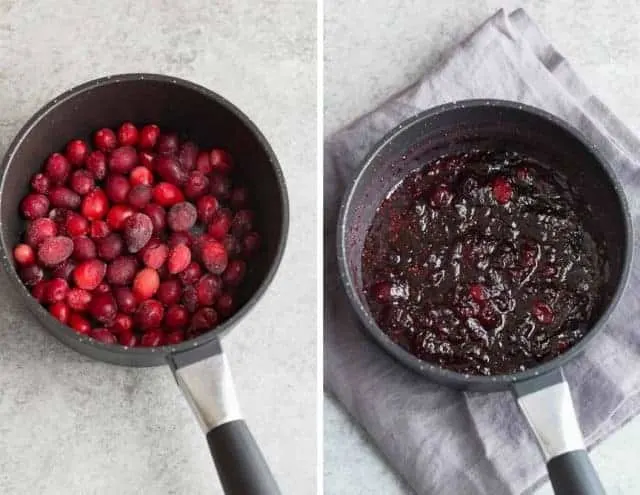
x,y
542,391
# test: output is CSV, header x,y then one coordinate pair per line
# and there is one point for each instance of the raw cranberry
x,y
542,312
125,300
103,335
76,224
157,215
31,275
77,152
214,257
155,254
168,168
166,194
110,247
99,229
103,308
175,337
38,290
501,190
122,160
169,292
24,254
250,244
381,292
57,168
478,293
39,230
117,216
60,311
204,319
242,222
117,188
197,185
78,299
234,273
206,207
54,250
127,339
63,197
138,229
34,206
59,216
105,140
220,186
79,324
152,338
232,246
127,134
239,198
146,159
96,163
95,205
141,176
139,196
40,183
190,298
208,289
81,182
55,290
191,274
177,316
89,274
83,248
167,144
179,238
187,155
488,316
202,162
103,288
220,224
64,269
440,196
122,270
221,161
149,314
145,284
182,217
148,136
179,258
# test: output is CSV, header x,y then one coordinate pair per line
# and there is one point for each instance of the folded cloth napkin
x,y
440,440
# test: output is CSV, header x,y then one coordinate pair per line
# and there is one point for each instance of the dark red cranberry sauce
x,y
480,263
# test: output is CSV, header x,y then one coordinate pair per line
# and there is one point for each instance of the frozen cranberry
x,y
168,168
202,162
34,206
99,229
122,270
175,337
190,298
141,176
125,300
208,289
179,258
250,244
206,207
88,274
149,314
117,216
501,190
138,229
60,311
182,217
152,338
103,308
38,290
177,316
158,215
488,316
191,274
148,136
167,144
64,269
57,168
166,194
214,257
31,275
63,197
76,225
440,196
187,155
79,324
103,335
146,159
234,273
77,152
239,198
478,293
81,182
105,140
83,248
40,183
542,312
169,292
155,254
197,185
381,292
54,250
220,224
242,222
110,247
55,290
78,299
96,163
221,161
117,188
179,238
139,196
39,230
103,288
127,134
95,205
59,216
24,254
122,160
145,284
127,339
232,246
220,186
204,319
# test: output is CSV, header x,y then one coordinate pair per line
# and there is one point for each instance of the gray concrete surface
x,y
72,426
374,48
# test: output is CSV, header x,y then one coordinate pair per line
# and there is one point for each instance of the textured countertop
x,y
375,48
70,425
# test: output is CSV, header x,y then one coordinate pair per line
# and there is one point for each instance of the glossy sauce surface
x,y
480,263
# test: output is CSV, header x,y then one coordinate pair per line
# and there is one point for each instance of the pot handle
x,y
204,377
546,403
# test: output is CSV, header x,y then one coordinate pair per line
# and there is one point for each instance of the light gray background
x,y
72,426
374,48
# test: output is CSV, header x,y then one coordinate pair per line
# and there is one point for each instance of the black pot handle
x,y
547,405
204,377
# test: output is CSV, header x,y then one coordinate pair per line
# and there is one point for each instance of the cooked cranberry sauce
x,y
480,263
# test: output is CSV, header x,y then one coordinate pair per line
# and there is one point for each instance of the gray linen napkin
x,y
443,441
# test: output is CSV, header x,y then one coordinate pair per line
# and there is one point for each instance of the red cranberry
x,y
125,300
197,185
488,316
110,247
234,273
146,159
221,161
83,248
122,160
24,254
148,136
239,198
145,284
169,292
250,244
55,290
440,196
59,216
179,258
204,319
103,335
190,298
542,312
103,308
64,269
141,176
166,194
149,314
40,184
117,188
155,254
187,155
214,257
54,250
167,144
76,224
103,288
140,196
34,206
38,290
121,323
191,274
88,274
157,215
63,197
177,316
202,162
96,163
95,205
99,229
60,311
79,324
168,168
478,293
78,299
182,217
122,270
127,134
502,190
208,289
232,246
179,238
31,275
206,207
77,152
220,224
381,292
138,229
175,337
57,168
39,230
105,140
117,216
242,222
81,182
220,186
152,338
127,339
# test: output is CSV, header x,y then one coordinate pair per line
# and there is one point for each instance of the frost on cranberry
x,y
138,229
182,217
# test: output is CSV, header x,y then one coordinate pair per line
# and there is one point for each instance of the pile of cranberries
x,y
142,240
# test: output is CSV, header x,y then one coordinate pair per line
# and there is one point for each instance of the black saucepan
x,y
199,365
541,392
